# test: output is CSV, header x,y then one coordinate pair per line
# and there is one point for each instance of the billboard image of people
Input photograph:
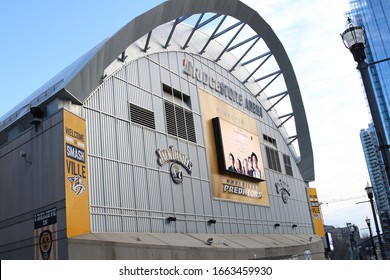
x,y
238,150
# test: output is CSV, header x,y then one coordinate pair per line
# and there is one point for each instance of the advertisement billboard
x,y
231,131
238,150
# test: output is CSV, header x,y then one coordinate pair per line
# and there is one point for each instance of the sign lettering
x,y
224,90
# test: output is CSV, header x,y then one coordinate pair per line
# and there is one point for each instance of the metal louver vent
x,y
180,122
273,159
170,117
287,165
142,116
190,126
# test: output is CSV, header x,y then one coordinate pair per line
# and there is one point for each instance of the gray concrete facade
x,y
30,185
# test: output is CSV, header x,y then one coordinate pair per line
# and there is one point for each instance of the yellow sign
x,y
316,212
233,181
76,175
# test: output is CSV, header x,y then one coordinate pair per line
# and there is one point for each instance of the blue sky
x,y
40,38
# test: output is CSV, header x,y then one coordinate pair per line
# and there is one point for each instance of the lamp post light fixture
x,y
372,239
354,40
370,193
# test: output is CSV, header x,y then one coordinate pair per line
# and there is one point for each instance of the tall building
x,y
378,179
373,15
160,143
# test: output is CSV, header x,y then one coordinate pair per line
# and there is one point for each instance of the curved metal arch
x,y
86,80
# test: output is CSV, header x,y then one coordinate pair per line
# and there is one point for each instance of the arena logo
x,y
45,243
178,160
78,186
283,189
201,76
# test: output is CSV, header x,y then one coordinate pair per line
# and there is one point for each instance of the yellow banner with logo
x,y
76,175
316,212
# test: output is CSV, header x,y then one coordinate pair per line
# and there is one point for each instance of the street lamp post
x,y
370,194
372,239
354,40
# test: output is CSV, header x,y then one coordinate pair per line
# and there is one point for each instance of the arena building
x,y
163,142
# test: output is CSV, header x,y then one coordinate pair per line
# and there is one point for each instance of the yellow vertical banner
x,y
316,211
76,175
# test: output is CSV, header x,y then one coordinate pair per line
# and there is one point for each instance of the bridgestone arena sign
x,y
201,76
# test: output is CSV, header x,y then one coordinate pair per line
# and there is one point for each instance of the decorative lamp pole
x,y
372,239
354,40
370,193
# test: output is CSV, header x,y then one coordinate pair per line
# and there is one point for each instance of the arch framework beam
x,y
84,81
